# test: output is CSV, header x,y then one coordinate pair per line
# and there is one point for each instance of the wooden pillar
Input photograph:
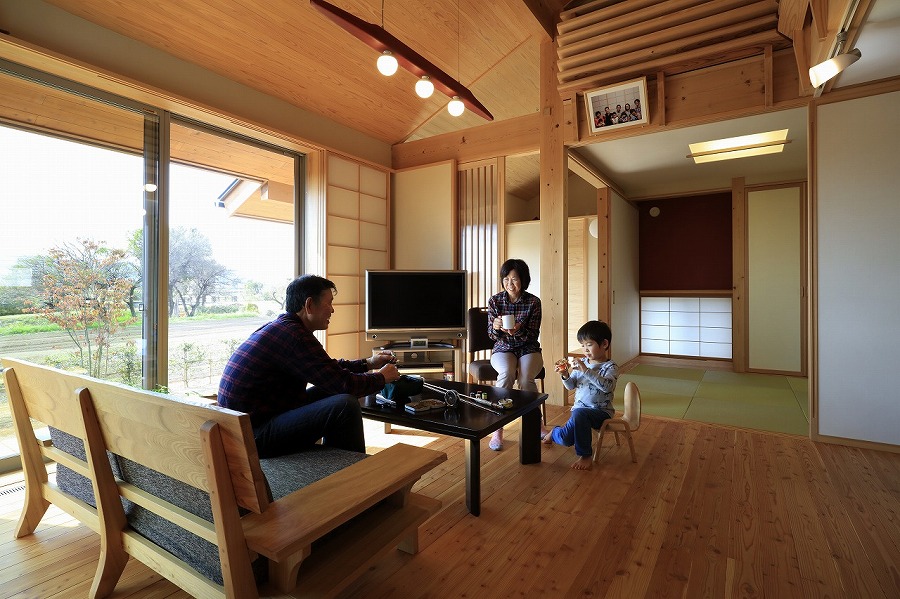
x,y
739,275
554,223
604,285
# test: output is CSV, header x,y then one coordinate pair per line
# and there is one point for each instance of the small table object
x,y
470,422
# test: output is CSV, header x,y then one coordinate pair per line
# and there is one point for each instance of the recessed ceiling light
x,y
756,144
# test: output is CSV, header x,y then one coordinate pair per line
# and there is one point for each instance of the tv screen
x,y
402,304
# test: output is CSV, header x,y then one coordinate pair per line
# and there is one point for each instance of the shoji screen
x,y
356,240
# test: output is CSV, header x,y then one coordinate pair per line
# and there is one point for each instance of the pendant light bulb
x,y
387,64
424,87
456,107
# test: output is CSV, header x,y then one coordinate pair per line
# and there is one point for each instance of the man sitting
x,y
269,373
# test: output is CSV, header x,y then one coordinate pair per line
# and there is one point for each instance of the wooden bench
x,y
328,531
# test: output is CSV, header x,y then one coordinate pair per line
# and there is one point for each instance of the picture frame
x,y
614,101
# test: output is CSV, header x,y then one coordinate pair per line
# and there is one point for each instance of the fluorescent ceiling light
x,y
757,144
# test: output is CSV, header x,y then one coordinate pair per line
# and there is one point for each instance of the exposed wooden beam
x,y
648,21
586,171
691,60
501,138
819,9
622,42
791,16
623,57
594,12
545,15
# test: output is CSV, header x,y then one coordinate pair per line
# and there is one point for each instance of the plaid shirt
x,y
527,312
268,374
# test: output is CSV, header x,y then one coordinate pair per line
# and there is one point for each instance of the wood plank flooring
x,y
708,511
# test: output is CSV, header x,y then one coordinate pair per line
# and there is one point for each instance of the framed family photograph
x,y
621,105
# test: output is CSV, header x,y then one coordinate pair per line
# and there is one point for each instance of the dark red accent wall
x,y
688,246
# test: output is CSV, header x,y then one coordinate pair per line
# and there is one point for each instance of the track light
x,y
424,87
824,71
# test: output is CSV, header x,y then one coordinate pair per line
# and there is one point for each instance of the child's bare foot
x,y
545,436
583,463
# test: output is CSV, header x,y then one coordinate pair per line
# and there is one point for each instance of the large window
x,y
85,228
231,228
72,205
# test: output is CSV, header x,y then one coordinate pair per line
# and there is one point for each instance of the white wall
x,y
624,271
858,282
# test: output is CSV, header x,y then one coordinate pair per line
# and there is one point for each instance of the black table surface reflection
x,y
471,423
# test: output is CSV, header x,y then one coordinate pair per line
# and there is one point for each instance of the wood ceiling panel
x,y
287,49
518,71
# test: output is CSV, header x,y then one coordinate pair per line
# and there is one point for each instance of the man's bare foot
x,y
545,436
583,463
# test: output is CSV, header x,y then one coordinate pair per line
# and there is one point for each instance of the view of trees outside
x,y
71,264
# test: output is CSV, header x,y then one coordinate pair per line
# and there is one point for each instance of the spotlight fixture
x,y
387,64
757,144
824,71
383,42
424,87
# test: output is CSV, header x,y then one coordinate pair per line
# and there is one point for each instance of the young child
x,y
594,380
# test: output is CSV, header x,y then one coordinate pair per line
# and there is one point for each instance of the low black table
x,y
470,423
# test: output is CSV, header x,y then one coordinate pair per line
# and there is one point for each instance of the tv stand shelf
x,y
436,358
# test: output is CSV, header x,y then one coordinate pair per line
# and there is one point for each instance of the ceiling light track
x,y
381,41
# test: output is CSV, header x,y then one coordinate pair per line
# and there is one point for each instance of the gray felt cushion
x,y
284,475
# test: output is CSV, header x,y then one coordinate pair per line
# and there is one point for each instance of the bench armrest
x,y
295,521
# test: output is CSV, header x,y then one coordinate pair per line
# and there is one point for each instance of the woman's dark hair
x,y
595,330
515,264
303,287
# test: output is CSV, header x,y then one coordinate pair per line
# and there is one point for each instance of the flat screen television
x,y
407,304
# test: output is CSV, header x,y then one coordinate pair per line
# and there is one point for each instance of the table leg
x,y
473,476
530,442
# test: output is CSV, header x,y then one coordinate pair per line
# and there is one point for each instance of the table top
x,y
463,420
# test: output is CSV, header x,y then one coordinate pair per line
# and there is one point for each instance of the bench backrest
x,y
156,430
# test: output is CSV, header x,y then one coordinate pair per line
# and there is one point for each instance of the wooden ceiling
x,y
287,49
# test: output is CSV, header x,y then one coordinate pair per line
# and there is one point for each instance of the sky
x,y
54,190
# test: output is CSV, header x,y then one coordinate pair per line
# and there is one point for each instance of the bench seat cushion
x,y
284,475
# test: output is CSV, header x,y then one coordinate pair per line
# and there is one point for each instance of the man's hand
x,y
380,359
390,373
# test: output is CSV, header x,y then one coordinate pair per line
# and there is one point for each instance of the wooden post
x,y
554,223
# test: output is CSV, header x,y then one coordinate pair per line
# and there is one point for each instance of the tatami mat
x,y
758,401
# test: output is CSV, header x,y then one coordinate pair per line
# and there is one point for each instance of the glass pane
x,y
231,250
71,199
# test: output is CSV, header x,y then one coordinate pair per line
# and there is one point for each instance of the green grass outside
x,y
18,324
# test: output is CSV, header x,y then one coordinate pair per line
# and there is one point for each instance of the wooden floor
x,y
708,511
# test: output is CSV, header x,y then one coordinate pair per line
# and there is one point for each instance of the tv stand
x,y
431,359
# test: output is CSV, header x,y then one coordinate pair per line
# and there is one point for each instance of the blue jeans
x,y
577,431
337,419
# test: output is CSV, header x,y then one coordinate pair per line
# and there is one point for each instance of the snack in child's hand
x,y
562,364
